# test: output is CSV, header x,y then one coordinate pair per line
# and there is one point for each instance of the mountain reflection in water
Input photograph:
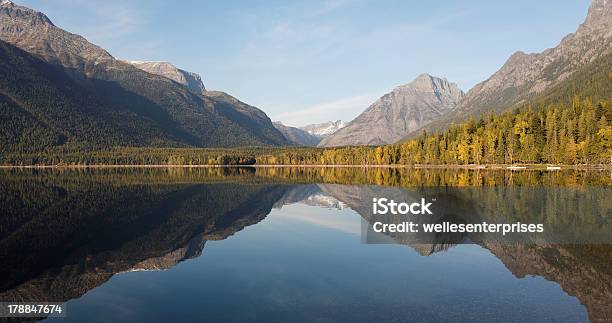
x,y
65,232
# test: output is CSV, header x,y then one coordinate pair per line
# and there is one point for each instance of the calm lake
x,y
287,244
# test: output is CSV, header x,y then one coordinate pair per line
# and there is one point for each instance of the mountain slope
x,y
525,78
399,112
297,136
201,120
247,117
43,107
191,80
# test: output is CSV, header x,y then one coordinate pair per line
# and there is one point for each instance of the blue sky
x,y
312,61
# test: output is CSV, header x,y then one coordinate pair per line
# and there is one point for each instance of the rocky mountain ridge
x,y
192,81
525,76
399,112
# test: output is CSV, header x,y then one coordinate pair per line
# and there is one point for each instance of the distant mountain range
x,y
323,130
58,89
396,114
297,136
529,78
577,66
309,135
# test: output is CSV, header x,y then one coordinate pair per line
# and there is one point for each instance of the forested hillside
x,y
580,133
570,124
46,106
43,107
594,81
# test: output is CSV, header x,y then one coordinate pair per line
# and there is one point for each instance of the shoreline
x,y
515,167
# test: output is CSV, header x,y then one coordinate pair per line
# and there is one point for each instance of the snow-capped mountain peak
x,y
325,129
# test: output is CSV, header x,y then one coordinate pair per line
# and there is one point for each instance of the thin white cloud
x,y
349,107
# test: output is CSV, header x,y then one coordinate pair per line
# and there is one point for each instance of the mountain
x,y
403,110
531,78
247,117
325,129
191,80
297,136
94,100
43,106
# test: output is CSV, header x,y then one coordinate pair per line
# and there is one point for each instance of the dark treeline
x,y
576,133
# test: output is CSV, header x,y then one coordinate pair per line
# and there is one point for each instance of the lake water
x,y
287,244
